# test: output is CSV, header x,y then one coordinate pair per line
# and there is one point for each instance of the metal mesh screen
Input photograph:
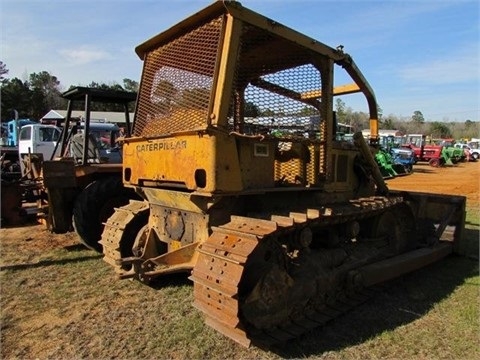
x,y
177,82
273,79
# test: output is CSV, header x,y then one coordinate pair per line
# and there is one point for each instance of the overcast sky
x,y
417,55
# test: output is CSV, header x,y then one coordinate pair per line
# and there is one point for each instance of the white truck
x,y
21,163
42,139
38,139
474,153
31,138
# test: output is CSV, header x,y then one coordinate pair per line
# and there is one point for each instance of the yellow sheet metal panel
x,y
159,160
227,167
257,159
189,161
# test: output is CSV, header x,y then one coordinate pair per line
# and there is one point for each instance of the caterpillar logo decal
x,y
165,145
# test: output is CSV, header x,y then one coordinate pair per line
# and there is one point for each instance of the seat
x,y
76,149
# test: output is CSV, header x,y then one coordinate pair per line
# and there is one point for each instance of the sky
x,y
418,55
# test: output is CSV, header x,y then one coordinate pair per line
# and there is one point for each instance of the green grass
x,y
472,231
66,303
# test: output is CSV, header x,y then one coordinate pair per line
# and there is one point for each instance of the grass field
x,y
61,301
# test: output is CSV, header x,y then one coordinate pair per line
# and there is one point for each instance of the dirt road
x,y
461,179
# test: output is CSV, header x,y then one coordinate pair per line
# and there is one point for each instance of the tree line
x,y
415,124
34,97
41,92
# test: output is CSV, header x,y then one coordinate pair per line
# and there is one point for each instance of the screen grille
x,y
177,83
273,86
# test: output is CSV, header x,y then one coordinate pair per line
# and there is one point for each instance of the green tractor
x,y
392,159
454,154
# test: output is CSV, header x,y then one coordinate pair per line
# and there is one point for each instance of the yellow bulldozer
x,y
246,187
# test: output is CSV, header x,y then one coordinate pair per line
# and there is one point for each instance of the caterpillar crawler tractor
x,y
245,187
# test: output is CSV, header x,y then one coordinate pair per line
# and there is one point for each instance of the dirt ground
x,y
461,179
32,247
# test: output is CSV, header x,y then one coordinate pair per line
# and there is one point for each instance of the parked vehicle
x,y
471,153
9,149
435,155
38,139
27,137
84,184
454,153
392,159
13,128
105,136
280,231
21,167
402,158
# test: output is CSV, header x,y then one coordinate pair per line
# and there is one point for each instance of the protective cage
x,y
275,93
177,83
275,87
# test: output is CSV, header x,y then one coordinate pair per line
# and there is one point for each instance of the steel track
x,y
115,231
220,268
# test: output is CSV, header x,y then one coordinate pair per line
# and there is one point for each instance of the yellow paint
x,y
175,245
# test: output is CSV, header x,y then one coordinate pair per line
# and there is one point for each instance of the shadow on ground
x,y
422,170
25,221
472,240
77,247
395,304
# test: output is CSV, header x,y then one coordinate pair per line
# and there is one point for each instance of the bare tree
x,y
3,70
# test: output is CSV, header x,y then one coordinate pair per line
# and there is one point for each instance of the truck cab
x,y
38,139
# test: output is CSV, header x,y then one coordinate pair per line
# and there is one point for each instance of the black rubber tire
x,y
95,204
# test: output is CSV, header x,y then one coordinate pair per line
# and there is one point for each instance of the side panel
x,y
59,173
187,161
344,177
445,212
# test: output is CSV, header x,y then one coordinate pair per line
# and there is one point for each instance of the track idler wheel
x,y
396,227
124,234
278,286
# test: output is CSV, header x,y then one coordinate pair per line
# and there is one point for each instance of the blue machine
x,y
13,128
401,156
